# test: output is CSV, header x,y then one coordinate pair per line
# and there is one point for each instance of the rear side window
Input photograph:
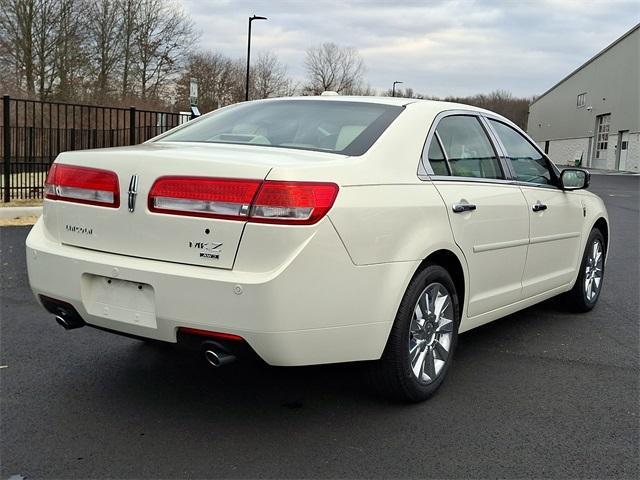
x,y
436,158
467,149
528,164
348,128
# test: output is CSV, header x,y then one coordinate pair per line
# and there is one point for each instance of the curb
x,y
16,212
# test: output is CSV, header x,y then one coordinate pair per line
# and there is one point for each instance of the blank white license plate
x,y
120,300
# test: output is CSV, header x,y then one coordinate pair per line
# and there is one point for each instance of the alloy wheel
x,y
593,271
431,332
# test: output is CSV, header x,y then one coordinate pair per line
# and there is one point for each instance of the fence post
x,y
30,144
132,125
7,148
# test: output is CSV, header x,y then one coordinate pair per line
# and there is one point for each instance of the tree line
x,y
145,52
93,50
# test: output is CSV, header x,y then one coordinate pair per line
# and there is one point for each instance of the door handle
x,y
539,206
463,207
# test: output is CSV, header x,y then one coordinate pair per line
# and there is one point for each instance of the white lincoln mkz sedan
x,y
318,230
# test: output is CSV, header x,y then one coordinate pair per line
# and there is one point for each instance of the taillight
x,y
92,186
300,203
203,197
292,203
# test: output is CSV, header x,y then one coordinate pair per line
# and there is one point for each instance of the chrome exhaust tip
x,y
63,322
218,359
69,322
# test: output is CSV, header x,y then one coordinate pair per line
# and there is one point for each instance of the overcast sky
x,y
457,47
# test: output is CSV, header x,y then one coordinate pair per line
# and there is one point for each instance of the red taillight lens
x,y
299,203
203,197
92,186
292,203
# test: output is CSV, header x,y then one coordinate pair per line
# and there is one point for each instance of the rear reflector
x,y
208,333
299,203
92,186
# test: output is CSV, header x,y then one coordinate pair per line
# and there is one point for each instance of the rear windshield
x,y
348,128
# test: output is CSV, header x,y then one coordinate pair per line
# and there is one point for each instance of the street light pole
x,y
251,19
393,90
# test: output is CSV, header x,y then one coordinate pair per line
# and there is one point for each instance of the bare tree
x,y
17,18
71,55
406,93
37,43
332,67
268,77
104,44
163,37
364,90
45,35
93,49
236,82
215,74
292,87
128,14
502,102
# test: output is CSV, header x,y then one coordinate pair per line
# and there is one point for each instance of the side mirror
x,y
574,179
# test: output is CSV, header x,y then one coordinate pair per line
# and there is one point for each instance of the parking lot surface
x,y
541,393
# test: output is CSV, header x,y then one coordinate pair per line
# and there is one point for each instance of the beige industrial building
x,y
593,114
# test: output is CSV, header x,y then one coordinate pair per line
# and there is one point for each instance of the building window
x,y
602,135
582,100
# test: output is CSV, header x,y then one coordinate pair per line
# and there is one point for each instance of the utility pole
x,y
393,90
251,19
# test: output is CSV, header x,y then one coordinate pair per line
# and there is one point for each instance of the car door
x,y
488,215
555,216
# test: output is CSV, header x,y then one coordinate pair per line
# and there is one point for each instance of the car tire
x,y
402,375
586,291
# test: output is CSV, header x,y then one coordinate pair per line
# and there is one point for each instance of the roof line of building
x,y
599,54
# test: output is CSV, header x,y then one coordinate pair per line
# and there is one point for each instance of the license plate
x,y
120,300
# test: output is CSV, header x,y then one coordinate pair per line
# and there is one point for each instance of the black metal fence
x,y
34,132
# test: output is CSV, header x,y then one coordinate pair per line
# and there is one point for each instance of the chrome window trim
x,y
422,173
537,185
444,152
498,181
447,165
425,172
424,156
502,152
452,178
528,139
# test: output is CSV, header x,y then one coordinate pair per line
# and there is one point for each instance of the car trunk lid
x,y
138,231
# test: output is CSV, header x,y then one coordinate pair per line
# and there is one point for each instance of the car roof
x,y
397,101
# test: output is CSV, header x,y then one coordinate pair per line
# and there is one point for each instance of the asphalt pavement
x,y
541,393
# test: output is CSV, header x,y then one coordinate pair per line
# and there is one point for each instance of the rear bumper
x,y
317,308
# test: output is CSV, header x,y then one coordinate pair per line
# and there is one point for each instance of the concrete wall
x,y
633,155
563,152
612,84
